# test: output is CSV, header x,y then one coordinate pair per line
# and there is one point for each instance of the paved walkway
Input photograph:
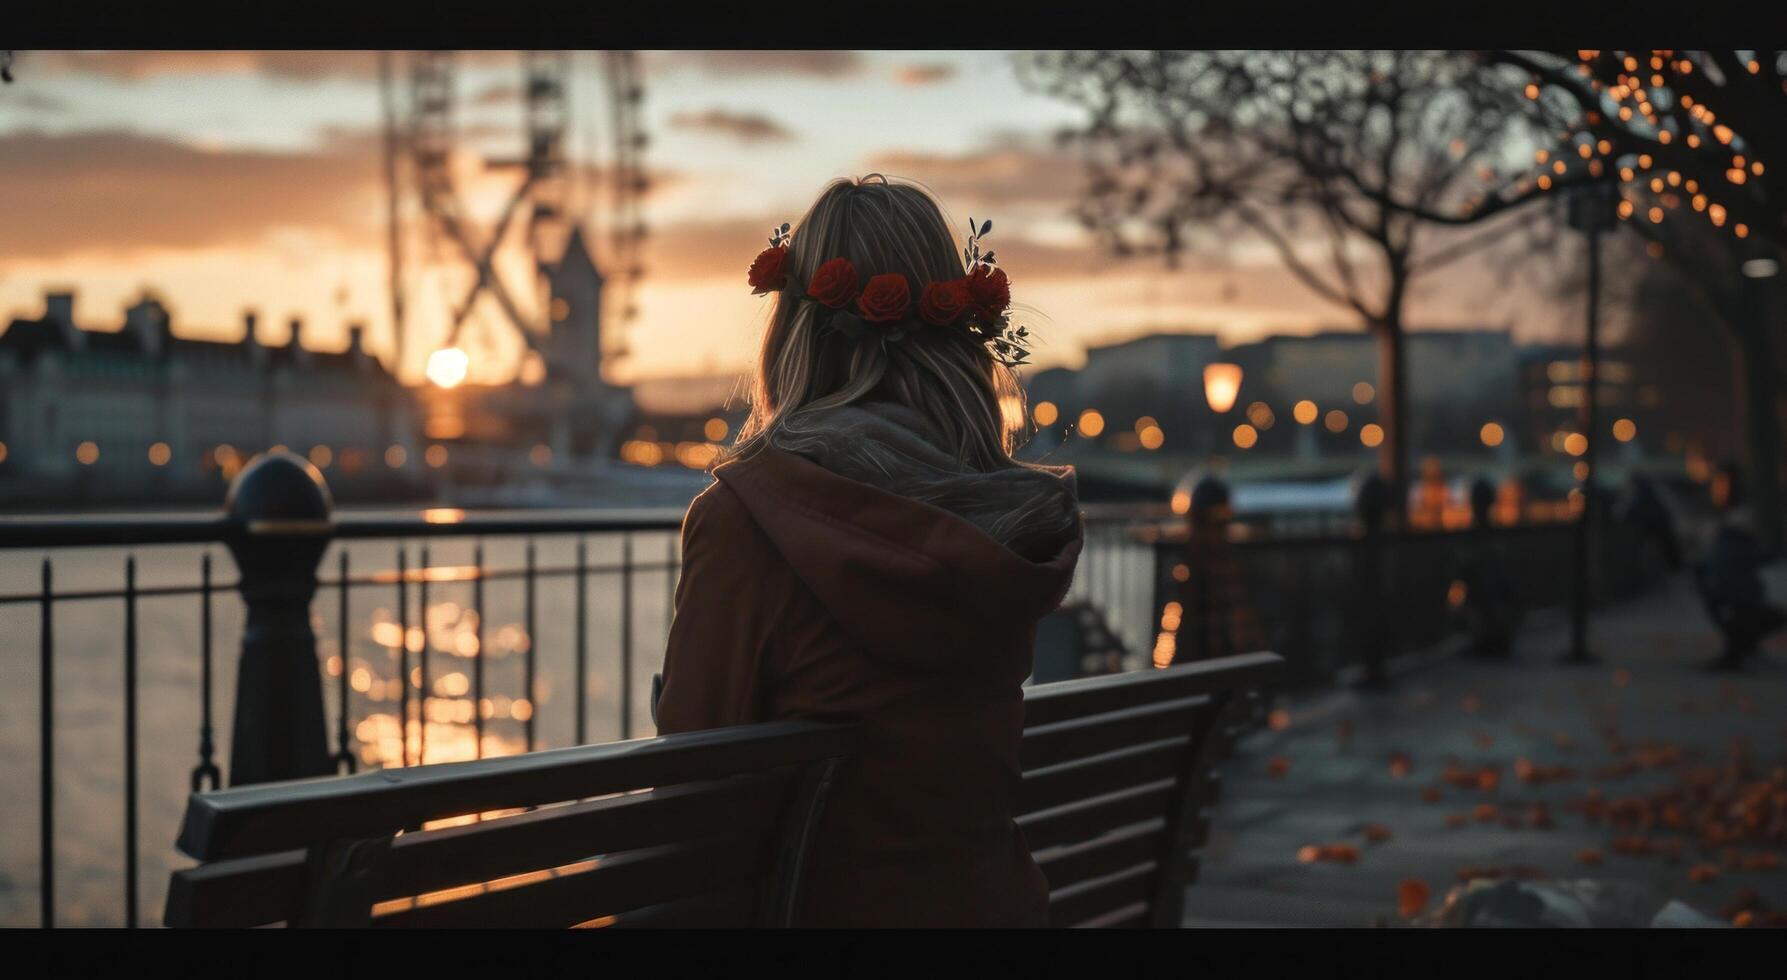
x,y
1435,764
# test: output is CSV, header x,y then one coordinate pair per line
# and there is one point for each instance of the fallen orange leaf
x,y
1278,766
1412,896
1377,833
1702,873
1588,855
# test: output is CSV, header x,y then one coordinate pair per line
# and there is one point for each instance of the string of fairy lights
x,y
1662,147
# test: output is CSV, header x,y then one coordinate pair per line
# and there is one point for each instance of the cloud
x,y
1013,172
746,127
824,64
293,66
115,191
926,74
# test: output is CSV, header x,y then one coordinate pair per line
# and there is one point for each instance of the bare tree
x,y
1343,162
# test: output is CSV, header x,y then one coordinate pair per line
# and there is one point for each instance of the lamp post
x,y
1591,212
1762,430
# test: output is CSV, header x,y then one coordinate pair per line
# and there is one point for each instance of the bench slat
x,y
729,908
271,888
1075,904
1094,776
1103,855
1083,820
1064,741
1060,700
616,884
284,816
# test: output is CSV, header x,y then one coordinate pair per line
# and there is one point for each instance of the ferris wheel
x,y
450,254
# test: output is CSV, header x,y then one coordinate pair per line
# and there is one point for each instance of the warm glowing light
x,y
1371,435
715,429
1091,423
1181,501
1335,421
395,456
641,452
2,452
1624,430
1222,382
447,366
1491,434
87,453
1152,437
1045,413
696,455
560,308
1246,435
1261,416
540,455
159,454
1304,412
1576,444
1580,471
442,515
320,456
533,369
436,456
1363,393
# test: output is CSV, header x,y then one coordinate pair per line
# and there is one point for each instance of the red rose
x,y
989,291
885,299
766,270
834,283
943,302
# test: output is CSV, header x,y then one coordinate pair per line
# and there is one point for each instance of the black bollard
x,y
1371,504
279,510
1208,523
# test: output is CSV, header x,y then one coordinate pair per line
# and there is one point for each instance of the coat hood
x,y
910,583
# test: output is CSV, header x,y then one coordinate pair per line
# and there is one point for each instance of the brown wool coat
x,y
805,594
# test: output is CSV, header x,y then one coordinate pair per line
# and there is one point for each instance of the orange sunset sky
x,y
225,181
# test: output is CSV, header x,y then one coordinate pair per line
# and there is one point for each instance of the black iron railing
x,y
1134,570
411,577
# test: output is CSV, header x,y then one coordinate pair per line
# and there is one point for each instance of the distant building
x,y
139,411
1552,389
1458,380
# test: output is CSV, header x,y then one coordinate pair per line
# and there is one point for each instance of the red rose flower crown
x,y
883,309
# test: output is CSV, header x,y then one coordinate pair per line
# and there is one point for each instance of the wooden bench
x,y
1119,775
712,828
698,829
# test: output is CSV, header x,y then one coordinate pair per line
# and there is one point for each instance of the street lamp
x,y
1592,211
1222,383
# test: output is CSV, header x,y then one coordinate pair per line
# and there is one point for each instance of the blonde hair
x,y
973,402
